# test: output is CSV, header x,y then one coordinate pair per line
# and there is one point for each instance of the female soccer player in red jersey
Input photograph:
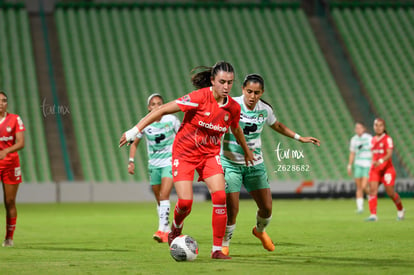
x,y
382,170
209,113
11,140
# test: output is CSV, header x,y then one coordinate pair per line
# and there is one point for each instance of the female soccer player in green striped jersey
x,y
159,137
255,113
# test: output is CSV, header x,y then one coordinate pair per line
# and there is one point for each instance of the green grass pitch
x,y
311,236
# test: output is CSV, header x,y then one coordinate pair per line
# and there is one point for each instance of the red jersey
x,y
204,123
379,146
9,126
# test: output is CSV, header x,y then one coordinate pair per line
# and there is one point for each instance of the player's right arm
x,y
19,144
132,151
351,158
350,161
156,114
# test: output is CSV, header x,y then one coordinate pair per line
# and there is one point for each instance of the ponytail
x,y
203,78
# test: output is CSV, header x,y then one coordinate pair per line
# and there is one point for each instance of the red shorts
x,y
383,175
184,170
11,175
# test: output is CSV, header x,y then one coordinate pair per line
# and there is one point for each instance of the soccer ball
x,y
184,248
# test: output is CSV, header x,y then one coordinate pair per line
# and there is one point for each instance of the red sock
x,y
219,220
373,201
181,211
397,201
10,227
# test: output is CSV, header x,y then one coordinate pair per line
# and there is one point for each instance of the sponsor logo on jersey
x,y
226,117
185,98
260,119
252,119
211,126
378,151
4,138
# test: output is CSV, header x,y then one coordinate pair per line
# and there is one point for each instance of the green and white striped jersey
x,y
160,137
361,146
252,123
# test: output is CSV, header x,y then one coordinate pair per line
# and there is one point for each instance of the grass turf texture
x,y
312,237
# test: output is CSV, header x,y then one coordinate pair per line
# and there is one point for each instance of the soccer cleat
x,y
359,211
265,239
225,250
372,218
400,215
174,233
160,236
7,243
165,237
218,254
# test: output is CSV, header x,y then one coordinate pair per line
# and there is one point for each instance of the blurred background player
x,y
159,137
359,163
255,113
11,141
208,113
382,171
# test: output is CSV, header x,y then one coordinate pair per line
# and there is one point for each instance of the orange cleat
x,y
225,250
219,255
158,236
264,238
165,237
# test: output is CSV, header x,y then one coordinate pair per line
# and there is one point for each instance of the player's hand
x,y
312,140
349,168
131,168
129,136
249,158
3,154
123,140
376,163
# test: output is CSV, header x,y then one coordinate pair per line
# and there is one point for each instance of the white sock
x,y
215,248
229,234
261,223
360,203
164,214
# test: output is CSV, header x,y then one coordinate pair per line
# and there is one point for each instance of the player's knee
x,y
10,203
184,205
219,197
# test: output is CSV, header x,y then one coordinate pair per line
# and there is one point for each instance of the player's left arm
x,y
18,145
284,130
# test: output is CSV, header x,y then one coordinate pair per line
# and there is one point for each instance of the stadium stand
x,y
18,79
115,56
380,41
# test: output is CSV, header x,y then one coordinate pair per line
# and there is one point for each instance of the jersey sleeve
x,y
271,118
389,143
352,145
176,124
190,101
236,115
20,125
